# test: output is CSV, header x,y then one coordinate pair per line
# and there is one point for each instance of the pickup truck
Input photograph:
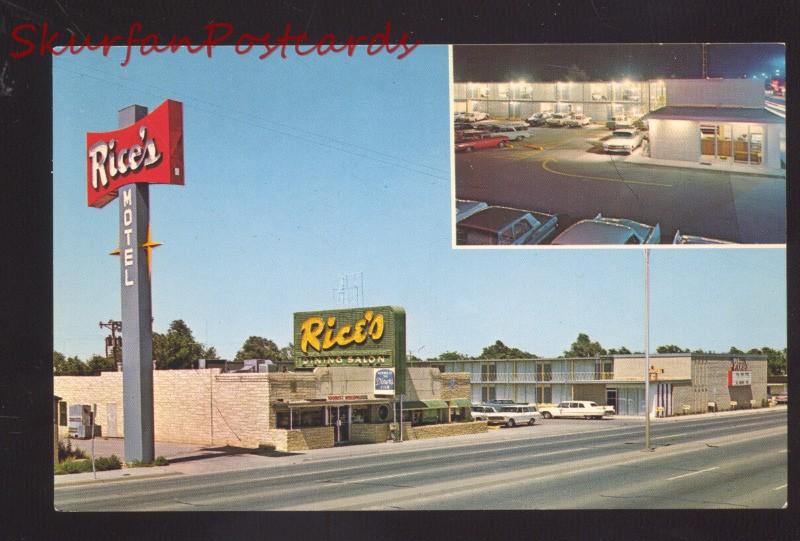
x,y
577,408
514,415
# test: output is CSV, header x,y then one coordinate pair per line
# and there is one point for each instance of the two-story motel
x,y
714,122
684,382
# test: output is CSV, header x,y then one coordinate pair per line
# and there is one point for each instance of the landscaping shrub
x,y
108,463
161,461
65,451
76,466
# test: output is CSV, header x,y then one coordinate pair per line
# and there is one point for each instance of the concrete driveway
x,y
564,171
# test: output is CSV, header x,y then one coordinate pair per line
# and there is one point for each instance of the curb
x,y
115,479
710,170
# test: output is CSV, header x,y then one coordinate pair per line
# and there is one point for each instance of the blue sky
x,y
301,170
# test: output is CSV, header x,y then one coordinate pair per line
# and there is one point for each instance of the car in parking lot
x,y
512,131
782,398
471,117
513,415
575,408
538,119
619,122
469,140
602,230
480,411
577,121
466,208
556,120
680,238
505,226
624,140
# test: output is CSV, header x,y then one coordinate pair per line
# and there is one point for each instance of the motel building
x,y
337,395
720,123
679,383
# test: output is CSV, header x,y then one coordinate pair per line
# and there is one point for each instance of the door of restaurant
x,y
611,398
340,419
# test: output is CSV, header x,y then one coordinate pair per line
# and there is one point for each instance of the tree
x,y
671,349
584,347
735,351
67,366
210,353
177,348
451,356
499,350
258,347
100,363
574,73
621,351
776,359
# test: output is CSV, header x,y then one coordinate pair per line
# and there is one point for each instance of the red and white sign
x,y
738,377
149,151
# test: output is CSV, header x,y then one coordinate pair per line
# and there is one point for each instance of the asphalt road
x,y
571,177
724,462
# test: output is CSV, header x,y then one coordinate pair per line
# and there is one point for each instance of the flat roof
x,y
733,114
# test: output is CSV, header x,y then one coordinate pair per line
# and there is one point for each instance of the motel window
x,y
544,371
544,394
503,91
62,413
487,393
630,92
599,92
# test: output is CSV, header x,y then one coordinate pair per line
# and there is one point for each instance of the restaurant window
x,y
62,413
756,142
458,414
309,417
360,414
282,419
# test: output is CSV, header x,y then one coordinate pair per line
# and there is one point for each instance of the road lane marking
x,y
692,473
780,487
671,436
607,179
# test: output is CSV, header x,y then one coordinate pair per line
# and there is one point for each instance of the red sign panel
x,y
149,151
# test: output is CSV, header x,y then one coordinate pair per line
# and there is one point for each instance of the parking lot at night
x,y
564,171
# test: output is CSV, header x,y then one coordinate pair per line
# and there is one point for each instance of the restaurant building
x,y
685,382
349,374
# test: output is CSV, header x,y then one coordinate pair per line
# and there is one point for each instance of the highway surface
x,y
736,461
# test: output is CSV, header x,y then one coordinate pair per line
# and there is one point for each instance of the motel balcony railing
x,y
548,377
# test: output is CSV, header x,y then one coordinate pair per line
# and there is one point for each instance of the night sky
x,y
618,61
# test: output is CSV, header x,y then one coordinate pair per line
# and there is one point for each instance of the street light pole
x,y
647,349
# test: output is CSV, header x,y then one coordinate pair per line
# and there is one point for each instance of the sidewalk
x,y
733,168
187,459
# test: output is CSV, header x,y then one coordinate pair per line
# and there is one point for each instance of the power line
x,y
326,138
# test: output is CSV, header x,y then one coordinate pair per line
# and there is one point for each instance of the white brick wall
x,y
715,92
675,140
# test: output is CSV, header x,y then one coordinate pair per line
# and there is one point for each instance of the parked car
x,y
513,132
471,117
503,402
477,139
601,230
575,408
466,208
556,120
505,226
479,412
460,126
539,119
513,415
618,122
623,140
782,398
694,239
577,121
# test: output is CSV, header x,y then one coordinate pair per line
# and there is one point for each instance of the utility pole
x,y
647,349
705,60
114,326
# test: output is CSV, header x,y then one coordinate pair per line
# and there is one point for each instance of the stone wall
x,y
369,432
442,430
302,439
461,387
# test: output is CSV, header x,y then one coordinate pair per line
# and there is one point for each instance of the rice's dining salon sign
x,y
372,337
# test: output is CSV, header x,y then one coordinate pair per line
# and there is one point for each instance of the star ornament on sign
x,y
149,245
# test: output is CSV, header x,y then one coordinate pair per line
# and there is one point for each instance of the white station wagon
x,y
512,416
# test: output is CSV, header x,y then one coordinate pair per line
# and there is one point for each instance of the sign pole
x,y
137,343
94,412
647,349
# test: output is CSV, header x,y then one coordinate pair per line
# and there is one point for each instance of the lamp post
x,y
647,349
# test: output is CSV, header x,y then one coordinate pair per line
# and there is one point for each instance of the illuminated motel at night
x,y
708,121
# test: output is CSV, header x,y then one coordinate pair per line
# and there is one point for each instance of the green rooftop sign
x,y
369,337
